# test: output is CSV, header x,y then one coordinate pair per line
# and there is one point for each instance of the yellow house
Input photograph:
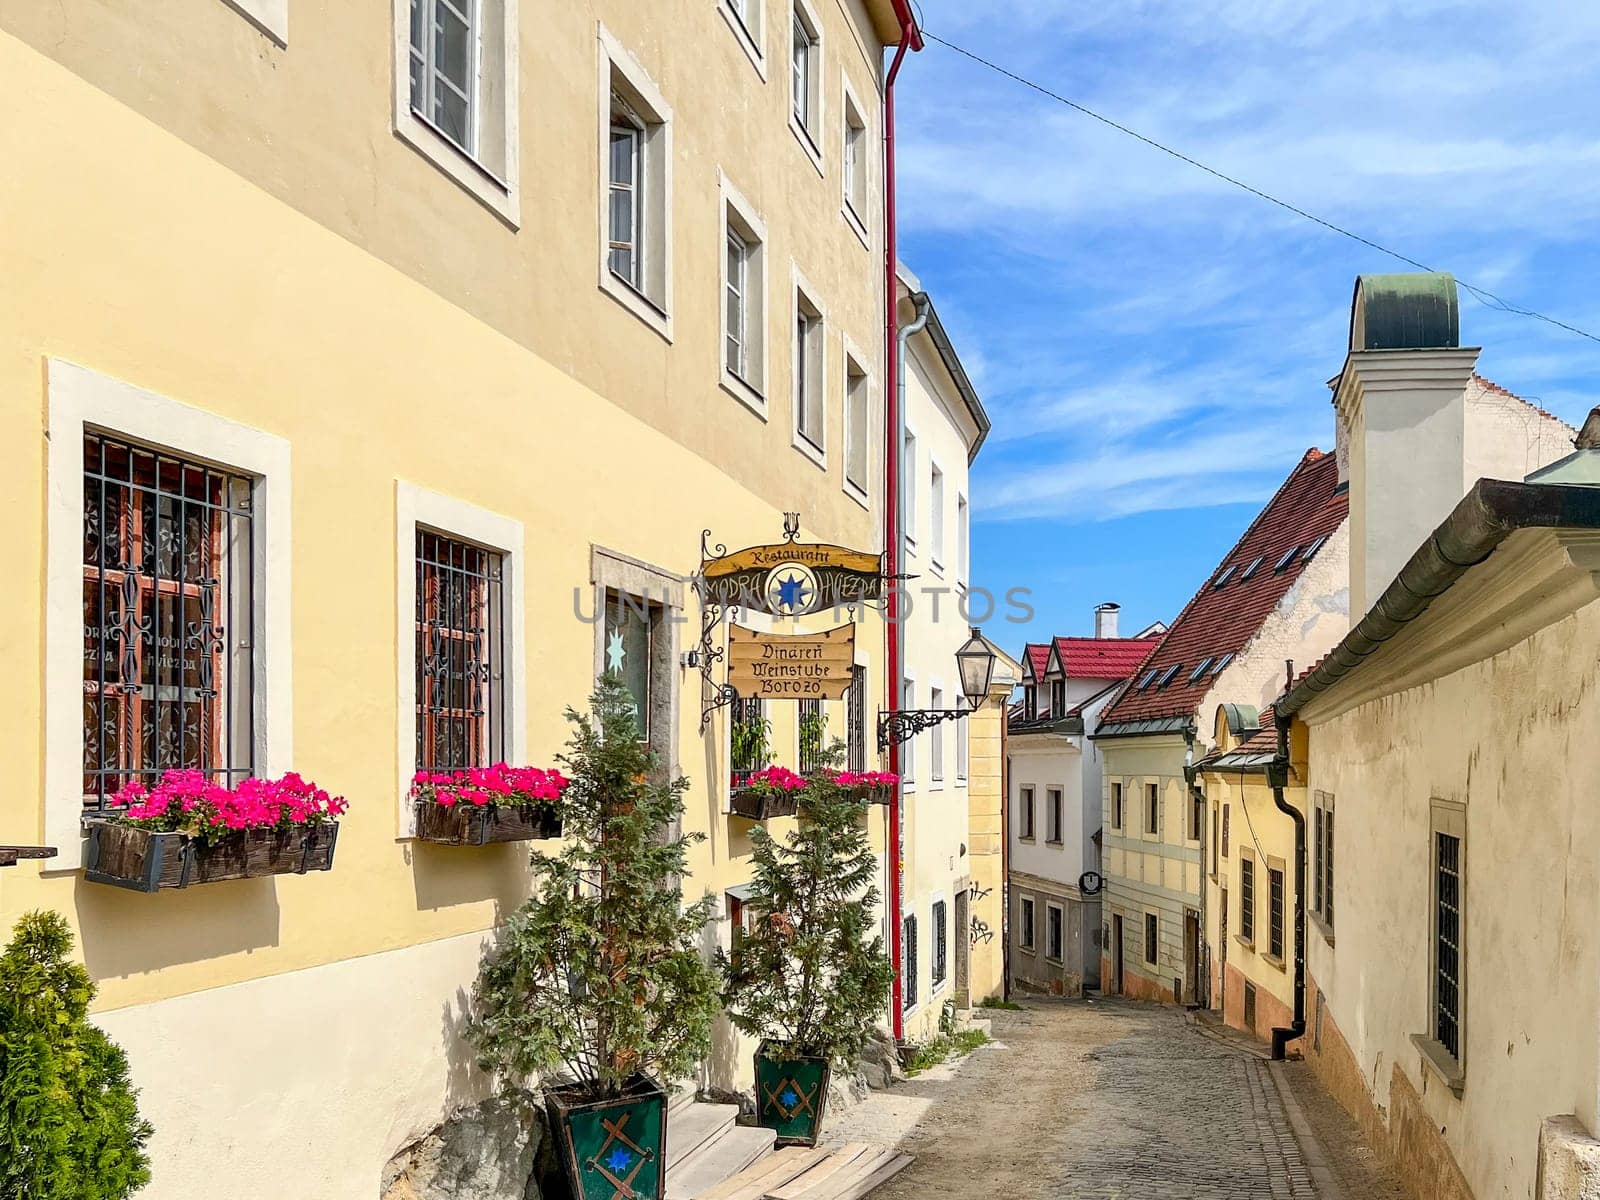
x,y
310,319
1250,870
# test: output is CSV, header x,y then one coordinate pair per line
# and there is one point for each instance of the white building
x,y
945,425
1054,768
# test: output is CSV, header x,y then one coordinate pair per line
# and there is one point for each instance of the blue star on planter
x,y
792,592
789,1098
619,1161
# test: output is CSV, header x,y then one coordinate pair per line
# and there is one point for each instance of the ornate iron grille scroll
x,y
462,717
168,546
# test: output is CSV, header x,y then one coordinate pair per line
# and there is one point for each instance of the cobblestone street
x,y
1094,1101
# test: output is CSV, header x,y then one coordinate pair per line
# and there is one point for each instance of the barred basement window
x,y
462,719
168,665
1447,943
1247,899
941,943
856,718
1275,915
908,963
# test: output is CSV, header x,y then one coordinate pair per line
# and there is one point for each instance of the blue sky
x,y
1154,345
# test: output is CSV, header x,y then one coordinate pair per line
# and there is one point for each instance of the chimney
x,y
1105,620
1401,403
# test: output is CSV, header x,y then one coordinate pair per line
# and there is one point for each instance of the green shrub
x,y
69,1119
997,1002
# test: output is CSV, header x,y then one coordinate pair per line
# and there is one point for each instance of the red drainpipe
x,y
910,39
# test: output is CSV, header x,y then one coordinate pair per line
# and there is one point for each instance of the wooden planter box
x,y
612,1148
469,825
872,793
791,1094
764,806
128,857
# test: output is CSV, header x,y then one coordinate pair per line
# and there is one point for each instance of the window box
x,y
144,860
764,804
469,825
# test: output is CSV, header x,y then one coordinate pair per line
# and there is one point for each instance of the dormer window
x,y
1058,697
1030,702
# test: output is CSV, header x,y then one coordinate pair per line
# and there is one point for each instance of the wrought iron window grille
x,y
462,719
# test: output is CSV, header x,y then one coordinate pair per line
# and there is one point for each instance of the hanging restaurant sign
x,y
801,666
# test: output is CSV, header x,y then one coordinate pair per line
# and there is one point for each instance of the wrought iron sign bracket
x,y
901,725
11,855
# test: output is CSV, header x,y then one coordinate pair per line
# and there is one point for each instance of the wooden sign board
x,y
801,666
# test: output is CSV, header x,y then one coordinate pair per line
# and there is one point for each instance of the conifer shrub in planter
x,y
186,830
597,981
810,977
69,1118
485,805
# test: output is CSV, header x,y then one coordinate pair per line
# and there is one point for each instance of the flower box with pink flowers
x,y
875,787
766,794
186,830
484,805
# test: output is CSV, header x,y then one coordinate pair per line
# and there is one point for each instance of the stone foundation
x,y
1569,1161
1271,1012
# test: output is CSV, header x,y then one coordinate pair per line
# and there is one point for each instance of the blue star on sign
x,y
619,1160
789,1098
792,592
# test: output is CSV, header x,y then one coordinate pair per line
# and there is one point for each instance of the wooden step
x,y
866,1174
718,1161
773,1171
694,1126
839,1161
848,1173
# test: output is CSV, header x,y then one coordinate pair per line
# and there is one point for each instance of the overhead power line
x,y
1482,295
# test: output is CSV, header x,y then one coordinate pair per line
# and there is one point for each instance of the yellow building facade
x,y
1249,871
243,241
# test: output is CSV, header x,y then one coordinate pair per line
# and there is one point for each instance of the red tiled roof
x,y
1102,658
1221,621
1037,656
1490,385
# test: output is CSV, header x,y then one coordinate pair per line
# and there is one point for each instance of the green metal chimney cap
x,y
1416,311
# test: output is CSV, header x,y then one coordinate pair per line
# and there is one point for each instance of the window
x,y
805,80
936,737
1227,574
1255,565
1311,550
1289,556
455,92
1200,671
1250,1006
741,919
908,752
461,713
745,18
744,295
936,516
1275,911
1322,858
1152,936
856,720
1025,923
1116,806
1150,677
750,735
1152,808
1169,675
813,726
1247,898
908,486
1225,831
1216,829
168,576
856,158
1052,815
269,16
1449,837
1058,698
1196,813
1025,827
908,963
809,364
1052,932
963,541
962,749
858,428
1221,664
1030,702
941,943
636,199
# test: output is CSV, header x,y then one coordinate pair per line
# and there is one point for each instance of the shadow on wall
x,y
129,933
448,876
465,1084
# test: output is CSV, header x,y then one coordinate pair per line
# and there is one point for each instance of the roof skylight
x,y
1227,574
1288,557
1168,674
1255,565
1200,671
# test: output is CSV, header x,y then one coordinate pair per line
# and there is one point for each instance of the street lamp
x,y
975,664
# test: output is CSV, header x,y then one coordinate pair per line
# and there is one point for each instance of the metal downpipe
x,y
1279,778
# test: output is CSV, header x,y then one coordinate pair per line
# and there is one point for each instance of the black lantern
x,y
975,662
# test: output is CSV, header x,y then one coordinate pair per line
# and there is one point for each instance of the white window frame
x,y
936,490
416,507
963,747
1030,926
857,171
963,541
854,368
492,172
271,17
1027,800
1055,806
739,215
651,303
816,449
908,756
936,738
750,34
80,399
808,132
1060,913
908,488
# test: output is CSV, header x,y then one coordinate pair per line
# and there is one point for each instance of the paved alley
x,y
1117,1100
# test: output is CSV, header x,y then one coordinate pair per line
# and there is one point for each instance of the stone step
x,y
694,1126
717,1161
